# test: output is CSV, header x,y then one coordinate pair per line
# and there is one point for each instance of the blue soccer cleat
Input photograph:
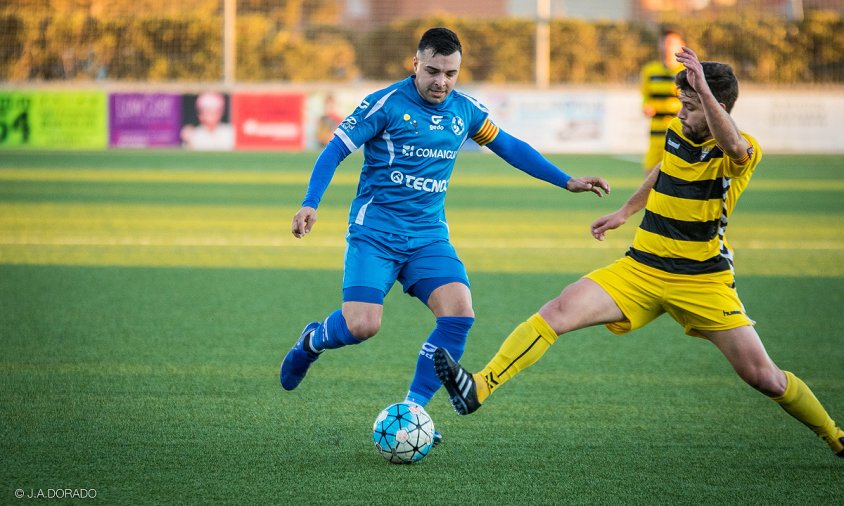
x,y
437,439
298,359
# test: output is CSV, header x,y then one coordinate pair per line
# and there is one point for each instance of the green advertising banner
x,y
15,118
54,119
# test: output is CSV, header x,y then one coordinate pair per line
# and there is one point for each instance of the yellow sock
x,y
524,346
799,402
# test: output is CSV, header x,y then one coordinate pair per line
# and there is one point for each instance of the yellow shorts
x,y
698,302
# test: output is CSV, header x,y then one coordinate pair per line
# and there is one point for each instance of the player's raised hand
x,y
588,184
303,221
608,222
694,70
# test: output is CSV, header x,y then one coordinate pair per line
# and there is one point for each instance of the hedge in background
x,y
287,45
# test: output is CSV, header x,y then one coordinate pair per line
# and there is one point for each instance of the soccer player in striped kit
x,y
411,133
659,94
680,262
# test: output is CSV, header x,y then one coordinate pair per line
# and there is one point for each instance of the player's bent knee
x,y
450,299
363,328
554,313
464,312
775,384
767,380
553,308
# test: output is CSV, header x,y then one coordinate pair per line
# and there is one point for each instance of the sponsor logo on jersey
x,y
441,154
673,144
419,183
349,123
436,120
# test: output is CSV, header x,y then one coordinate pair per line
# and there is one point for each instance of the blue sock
x,y
332,333
450,333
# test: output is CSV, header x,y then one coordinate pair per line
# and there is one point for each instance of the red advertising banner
x,y
269,120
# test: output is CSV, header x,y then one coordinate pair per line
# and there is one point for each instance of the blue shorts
x,y
375,260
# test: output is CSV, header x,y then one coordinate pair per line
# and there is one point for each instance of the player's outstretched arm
x,y
634,204
524,157
588,184
612,221
303,221
324,167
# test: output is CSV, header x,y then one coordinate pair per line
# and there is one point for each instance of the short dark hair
x,y
440,41
721,80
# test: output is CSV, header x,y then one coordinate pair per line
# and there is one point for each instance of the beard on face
x,y
695,135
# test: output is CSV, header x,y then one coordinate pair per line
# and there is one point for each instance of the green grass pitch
x,y
147,298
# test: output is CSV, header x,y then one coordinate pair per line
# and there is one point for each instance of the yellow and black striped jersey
x,y
683,229
660,94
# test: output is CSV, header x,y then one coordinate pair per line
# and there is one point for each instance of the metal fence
x,y
339,41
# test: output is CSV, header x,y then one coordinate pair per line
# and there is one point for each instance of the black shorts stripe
x,y
694,190
688,152
680,265
681,230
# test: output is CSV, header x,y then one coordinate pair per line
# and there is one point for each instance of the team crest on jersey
x,y
458,126
410,122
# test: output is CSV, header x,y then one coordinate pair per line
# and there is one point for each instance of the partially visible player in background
x,y
680,262
659,94
328,121
411,132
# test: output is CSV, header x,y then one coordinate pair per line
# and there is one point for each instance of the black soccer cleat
x,y
462,391
835,442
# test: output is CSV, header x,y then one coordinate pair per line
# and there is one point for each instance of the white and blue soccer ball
x,y
403,433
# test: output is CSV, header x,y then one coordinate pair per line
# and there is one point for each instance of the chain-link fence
x,y
252,41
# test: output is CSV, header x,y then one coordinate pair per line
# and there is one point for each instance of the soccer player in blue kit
x,y
411,133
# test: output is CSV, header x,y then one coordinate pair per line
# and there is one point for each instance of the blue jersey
x,y
410,146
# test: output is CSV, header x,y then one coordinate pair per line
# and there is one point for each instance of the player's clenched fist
x,y
303,221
